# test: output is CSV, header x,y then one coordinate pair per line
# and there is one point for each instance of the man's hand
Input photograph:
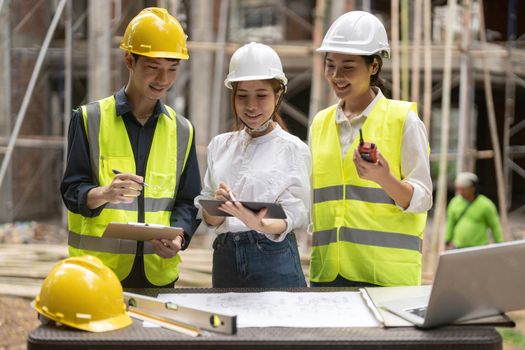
x,y
124,188
166,248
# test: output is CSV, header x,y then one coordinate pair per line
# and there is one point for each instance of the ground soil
x,y
17,318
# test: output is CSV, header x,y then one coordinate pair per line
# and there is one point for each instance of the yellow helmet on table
x,y
83,293
155,33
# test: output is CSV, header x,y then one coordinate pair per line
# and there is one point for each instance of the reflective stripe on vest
x,y
365,194
110,149
358,231
368,237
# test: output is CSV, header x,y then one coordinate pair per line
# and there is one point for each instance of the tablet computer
x,y
140,231
275,210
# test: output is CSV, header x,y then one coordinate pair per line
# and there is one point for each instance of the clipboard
x,y
275,210
137,231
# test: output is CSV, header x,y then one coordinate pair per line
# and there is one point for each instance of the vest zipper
x,y
141,218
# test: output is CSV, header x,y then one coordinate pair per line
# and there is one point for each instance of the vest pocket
x,y
160,184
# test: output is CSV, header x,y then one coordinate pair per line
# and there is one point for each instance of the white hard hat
x,y
466,179
255,61
356,33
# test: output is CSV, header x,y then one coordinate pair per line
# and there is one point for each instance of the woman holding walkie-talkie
x,y
371,176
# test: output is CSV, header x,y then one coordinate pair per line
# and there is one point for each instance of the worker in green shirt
x,y
469,215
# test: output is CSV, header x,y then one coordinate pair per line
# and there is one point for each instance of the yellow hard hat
x,y
155,33
83,293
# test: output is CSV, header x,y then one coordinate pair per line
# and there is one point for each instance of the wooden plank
x,y
36,141
40,273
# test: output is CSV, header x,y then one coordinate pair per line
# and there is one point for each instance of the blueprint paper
x,y
283,309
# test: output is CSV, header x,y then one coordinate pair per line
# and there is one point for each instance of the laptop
x,y
470,283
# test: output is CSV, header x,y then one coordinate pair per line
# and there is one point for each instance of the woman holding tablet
x,y
260,162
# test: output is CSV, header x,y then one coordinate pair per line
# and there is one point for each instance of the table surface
x,y
138,337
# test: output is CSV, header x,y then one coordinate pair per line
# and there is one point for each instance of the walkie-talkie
x,y
367,150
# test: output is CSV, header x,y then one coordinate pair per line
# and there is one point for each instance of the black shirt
x,y
78,179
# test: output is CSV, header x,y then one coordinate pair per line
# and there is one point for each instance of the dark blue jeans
x,y
250,260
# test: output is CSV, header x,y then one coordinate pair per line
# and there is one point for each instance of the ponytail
x,y
376,80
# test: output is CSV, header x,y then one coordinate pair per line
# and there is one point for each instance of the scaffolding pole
x,y
99,53
394,46
6,191
201,18
465,92
218,70
405,61
416,52
510,96
494,131
30,87
427,94
317,60
437,243
68,88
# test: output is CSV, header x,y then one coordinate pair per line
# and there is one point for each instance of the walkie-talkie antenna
x,y
361,141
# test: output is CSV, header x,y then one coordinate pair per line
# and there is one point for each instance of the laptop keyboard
x,y
418,311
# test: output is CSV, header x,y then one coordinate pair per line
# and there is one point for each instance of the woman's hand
x,y
377,172
221,193
253,220
224,193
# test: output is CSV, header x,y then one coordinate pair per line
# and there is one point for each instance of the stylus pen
x,y
232,197
116,172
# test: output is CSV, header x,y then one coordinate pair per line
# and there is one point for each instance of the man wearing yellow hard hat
x,y
118,144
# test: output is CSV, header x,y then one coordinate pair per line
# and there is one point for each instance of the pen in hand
x,y
232,197
116,172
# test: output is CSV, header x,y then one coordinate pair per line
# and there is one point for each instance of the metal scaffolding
x,y
199,88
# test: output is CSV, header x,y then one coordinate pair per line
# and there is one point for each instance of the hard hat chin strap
x,y
261,128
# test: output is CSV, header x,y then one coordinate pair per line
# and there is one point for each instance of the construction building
x,y
58,54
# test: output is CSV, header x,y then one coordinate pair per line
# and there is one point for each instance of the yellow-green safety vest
x,y
110,148
358,231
